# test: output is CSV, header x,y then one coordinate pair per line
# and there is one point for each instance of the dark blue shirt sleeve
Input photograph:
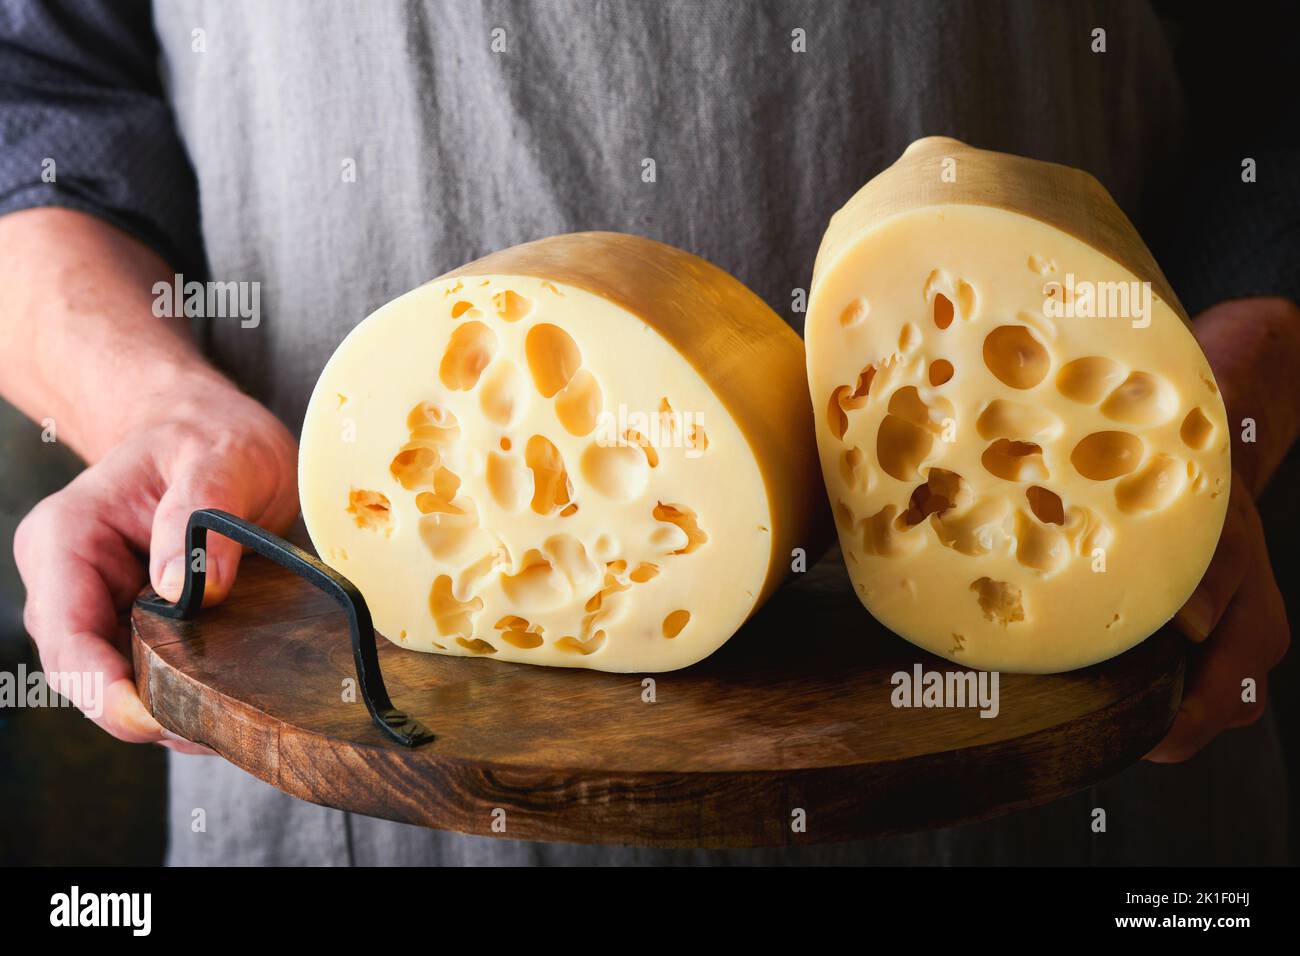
x,y
84,123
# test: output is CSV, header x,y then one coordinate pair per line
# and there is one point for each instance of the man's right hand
x,y
82,552
163,431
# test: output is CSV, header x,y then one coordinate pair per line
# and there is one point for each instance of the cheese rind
x,y
593,451
1016,486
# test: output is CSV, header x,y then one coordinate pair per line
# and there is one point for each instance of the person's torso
x,y
343,159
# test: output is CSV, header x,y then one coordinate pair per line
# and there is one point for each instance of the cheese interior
x,y
1011,491
515,466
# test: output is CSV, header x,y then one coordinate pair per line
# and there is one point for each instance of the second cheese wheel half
x,y
593,450
1024,447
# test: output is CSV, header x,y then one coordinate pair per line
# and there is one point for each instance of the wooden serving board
x,y
794,713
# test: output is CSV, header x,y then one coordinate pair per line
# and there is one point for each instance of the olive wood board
x,y
793,714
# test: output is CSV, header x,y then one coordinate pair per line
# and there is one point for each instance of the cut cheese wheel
x,y
593,451
1027,459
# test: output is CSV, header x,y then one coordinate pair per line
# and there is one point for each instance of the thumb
x,y
168,560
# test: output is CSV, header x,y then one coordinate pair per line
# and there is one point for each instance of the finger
x,y
1203,610
1228,686
83,521
87,666
88,670
168,561
76,573
1213,700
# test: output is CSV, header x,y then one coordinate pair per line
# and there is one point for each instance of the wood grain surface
x,y
794,713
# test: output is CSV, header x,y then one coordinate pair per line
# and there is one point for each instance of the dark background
x,y
69,794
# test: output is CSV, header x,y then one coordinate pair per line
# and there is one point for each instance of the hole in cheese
x,y
675,622
1046,505
371,509
1107,454
940,372
503,396
1141,399
999,601
1007,419
578,404
1015,460
511,306
941,491
552,490
1016,357
1088,380
553,357
855,312
471,349
1153,488
685,521
1197,431
943,311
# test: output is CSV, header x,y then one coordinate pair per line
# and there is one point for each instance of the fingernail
x,y
173,579
133,712
1197,616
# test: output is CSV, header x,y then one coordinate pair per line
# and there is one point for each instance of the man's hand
x,y
163,431
82,551
1238,620
1236,616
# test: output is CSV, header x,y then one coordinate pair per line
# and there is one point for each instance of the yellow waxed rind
x,y
1014,487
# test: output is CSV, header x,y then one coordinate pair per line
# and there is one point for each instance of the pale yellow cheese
x,y
590,451
1015,487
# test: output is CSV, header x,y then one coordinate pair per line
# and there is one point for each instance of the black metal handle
x,y
393,722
